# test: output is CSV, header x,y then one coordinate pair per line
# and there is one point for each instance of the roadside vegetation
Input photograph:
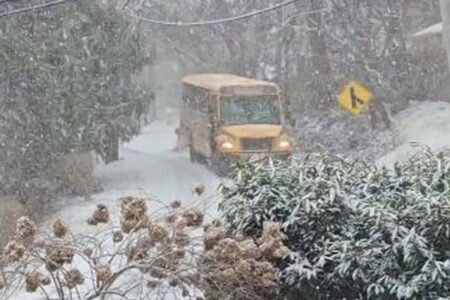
x,y
355,231
317,228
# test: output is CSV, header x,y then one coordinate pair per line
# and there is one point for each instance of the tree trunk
x,y
321,68
112,145
445,13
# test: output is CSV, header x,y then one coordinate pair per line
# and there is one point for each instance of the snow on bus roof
x,y
434,29
217,81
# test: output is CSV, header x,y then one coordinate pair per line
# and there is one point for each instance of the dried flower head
x,y
101,214
104,273
46,281
34,280
91,221
133,207
173,282
14,251
179,223
158,273
73,278
153,284
281,252
248,249
268,245
40,243
59,229
194,218
88,251
272,229
181,238
271,243
117,236
25,230
243,268
212,236
157,232
199,189
266,274
141,249
185,293
228,273
133,214
227,251
57,254
171,218
179,253
175,204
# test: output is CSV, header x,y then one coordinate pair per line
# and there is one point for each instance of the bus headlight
x,y
227,145
284,144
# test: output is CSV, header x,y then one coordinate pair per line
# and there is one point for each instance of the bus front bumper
x,y
235,156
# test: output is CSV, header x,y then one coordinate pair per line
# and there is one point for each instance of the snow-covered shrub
x,y
355,231
87,102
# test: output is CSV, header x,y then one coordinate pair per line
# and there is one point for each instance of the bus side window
x,y
185,98
189,98
204,102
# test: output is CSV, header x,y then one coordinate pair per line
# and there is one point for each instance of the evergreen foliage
x,y
357,231
66,86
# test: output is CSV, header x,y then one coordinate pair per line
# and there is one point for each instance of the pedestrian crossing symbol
x,y
355,98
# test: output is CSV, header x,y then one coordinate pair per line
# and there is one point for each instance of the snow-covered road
x,y
149,167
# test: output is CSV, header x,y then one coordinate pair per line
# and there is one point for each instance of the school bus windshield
x,y
241,110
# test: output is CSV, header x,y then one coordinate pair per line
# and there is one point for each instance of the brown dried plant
x,y
163,250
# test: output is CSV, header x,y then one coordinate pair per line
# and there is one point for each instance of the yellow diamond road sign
x,y
354,98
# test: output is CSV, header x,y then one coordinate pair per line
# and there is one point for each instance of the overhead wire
x,y
32,8
213,22
153,21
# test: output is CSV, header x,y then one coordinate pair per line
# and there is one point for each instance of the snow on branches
x,y
142,256
355,231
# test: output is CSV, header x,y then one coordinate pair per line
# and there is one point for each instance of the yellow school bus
x,y
227,117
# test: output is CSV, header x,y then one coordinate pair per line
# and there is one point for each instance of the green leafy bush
x,y
356,231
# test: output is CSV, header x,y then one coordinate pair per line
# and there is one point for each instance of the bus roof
x,y
215,82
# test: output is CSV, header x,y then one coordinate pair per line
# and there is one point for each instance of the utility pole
x,y
445,13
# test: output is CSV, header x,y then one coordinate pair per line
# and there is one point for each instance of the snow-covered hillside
x,y
423,125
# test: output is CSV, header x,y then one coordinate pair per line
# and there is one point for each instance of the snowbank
x,y
424,125
434,29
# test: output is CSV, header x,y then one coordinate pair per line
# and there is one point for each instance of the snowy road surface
x,y
424,124
149,167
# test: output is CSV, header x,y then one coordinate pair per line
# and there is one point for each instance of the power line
x,y
30,8
213,22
